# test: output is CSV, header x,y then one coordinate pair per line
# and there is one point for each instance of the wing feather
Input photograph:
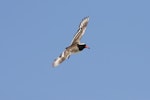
x,y
63,56
81,31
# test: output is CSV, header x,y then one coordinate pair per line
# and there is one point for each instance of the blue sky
x,y
34,32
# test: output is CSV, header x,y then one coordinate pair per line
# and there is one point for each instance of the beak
x,y
87,47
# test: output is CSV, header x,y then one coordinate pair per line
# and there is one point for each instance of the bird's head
x,y
83,46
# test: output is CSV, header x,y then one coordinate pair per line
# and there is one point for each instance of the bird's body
x,y
75,46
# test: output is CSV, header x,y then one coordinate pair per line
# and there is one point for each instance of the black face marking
x,y
81,47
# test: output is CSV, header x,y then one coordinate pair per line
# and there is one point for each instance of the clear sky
x,y
34,32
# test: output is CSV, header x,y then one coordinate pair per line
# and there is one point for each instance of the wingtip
x,y
54,65
87,17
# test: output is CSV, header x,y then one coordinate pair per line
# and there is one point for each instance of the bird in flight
x,y
75,46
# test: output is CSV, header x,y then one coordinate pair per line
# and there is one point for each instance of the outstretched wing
x,y
63,56
81,31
